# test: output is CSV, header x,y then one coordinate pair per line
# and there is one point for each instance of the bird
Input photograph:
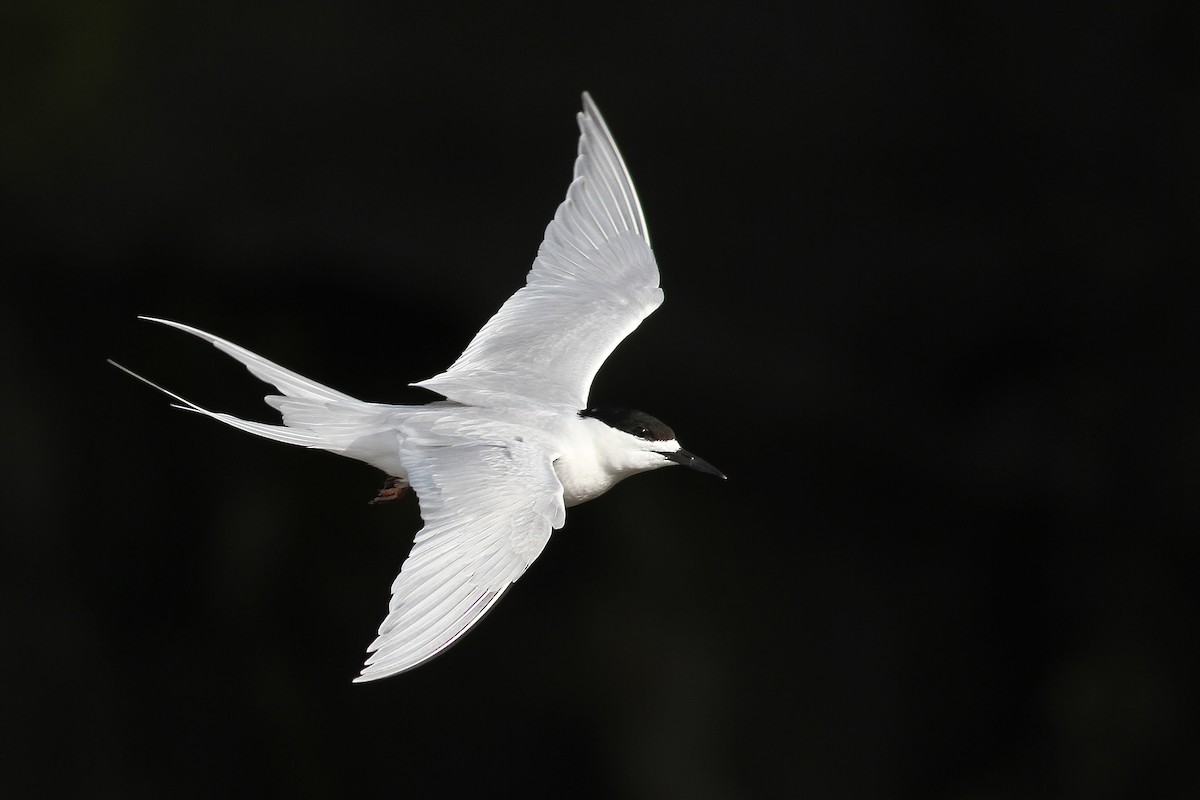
x,y
513,442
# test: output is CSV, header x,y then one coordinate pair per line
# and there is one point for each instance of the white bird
x,y
495,465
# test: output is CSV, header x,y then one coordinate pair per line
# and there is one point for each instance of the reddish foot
x,y
392,490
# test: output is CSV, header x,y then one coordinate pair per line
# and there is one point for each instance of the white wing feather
x,y
593,281
488,510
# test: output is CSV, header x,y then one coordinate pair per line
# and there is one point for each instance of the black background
x,y
924,268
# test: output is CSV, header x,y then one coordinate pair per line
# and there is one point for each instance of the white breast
x,y
591,459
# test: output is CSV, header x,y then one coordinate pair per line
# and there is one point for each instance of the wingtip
x,y
590,109
159,320
179,326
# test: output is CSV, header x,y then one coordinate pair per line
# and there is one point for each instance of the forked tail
x,y
314,415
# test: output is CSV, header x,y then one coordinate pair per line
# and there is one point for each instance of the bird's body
x,y
514,443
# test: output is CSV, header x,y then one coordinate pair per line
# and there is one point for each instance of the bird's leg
x,y
392,490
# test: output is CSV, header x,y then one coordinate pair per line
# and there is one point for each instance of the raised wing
x,y
593,281
489,509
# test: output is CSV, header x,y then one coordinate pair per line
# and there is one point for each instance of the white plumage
x,y
495,465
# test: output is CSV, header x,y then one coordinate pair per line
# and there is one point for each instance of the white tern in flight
x,y
495,465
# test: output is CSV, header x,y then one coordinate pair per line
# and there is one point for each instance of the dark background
x,y
925,305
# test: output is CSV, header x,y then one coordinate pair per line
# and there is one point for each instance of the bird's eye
x,y
641,431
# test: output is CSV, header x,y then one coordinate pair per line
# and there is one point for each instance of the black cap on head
x,y
636,423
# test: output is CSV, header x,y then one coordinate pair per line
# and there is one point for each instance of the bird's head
x,y
644,442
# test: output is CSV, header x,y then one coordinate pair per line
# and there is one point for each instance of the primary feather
x,y
594,268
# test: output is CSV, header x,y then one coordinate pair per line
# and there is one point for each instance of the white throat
x,y
595,457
